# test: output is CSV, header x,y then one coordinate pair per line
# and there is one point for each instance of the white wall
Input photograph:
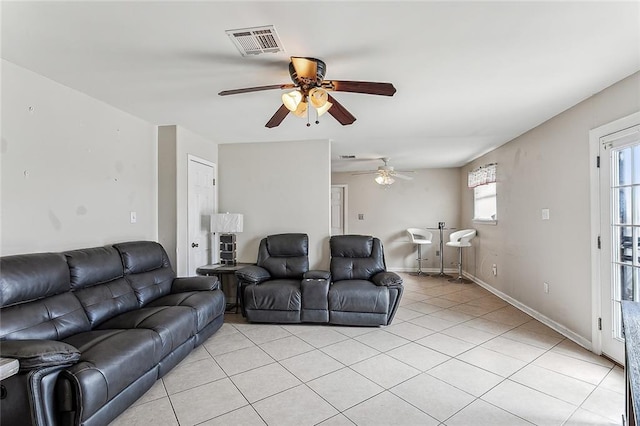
x,y
432,196
280,187
175,144
73,168
547,167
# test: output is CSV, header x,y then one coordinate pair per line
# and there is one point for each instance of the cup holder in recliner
x,y
3,392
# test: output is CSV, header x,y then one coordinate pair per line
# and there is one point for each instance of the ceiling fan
x,y
386,173
310,87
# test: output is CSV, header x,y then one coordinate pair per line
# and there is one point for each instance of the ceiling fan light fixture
x,y
384,180
324,108
292,100
318,97
301,110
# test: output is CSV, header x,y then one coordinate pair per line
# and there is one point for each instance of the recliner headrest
x,y
288,245
351,245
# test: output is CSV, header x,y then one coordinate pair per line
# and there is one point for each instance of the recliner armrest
x,y
317,274
37,354
253,274
387,279
183,284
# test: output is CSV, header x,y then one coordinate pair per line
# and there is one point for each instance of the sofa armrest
x,y
183,284
317,274
252,274
38,354
387,279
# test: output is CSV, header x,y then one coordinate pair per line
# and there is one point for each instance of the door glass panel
x,y
624,164
625,228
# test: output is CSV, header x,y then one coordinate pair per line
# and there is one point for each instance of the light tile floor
x,y
455,355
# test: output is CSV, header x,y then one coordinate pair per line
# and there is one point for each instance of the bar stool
x,y
420,237
461,239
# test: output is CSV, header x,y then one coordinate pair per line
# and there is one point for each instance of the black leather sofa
x,y
93,329
357,291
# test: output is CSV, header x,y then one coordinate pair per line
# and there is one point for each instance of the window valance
x,y
482,175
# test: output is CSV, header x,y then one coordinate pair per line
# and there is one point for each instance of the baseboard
x,y
427,270
533,313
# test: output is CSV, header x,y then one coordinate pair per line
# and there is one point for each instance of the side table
x,y
220,270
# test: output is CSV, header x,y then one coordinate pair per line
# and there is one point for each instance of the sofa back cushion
x,y
147,269
355,257
98,281
284,255
36,300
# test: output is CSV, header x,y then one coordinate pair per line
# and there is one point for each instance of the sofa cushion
x,y
97,278
147,269
206,305
358,296
111,360
27,277
53,318
142,256
92,266
174,324
277,295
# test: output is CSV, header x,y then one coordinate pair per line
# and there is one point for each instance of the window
x,y
484,202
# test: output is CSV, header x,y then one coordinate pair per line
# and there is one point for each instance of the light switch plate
x,y
545,214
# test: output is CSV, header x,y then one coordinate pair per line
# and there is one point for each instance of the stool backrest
x,y
462,236
418,234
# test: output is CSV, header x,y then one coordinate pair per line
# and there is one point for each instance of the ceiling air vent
x,y
256,40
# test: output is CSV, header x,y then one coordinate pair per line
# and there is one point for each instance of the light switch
x,y
545,214
360,216
134,217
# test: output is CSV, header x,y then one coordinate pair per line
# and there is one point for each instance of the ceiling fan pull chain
x,y
308,113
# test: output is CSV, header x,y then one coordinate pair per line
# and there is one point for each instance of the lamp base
x,y
228,249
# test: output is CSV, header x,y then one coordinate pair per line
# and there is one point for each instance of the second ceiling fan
x,y
310,87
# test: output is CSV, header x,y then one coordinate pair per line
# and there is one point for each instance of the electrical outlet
x,y
437,253
360,216
546,287
494,269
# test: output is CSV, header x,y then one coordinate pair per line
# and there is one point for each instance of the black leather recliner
x,y
272,290
362,291
281,289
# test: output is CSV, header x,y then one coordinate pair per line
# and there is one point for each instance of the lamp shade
x,y
227,223
291,100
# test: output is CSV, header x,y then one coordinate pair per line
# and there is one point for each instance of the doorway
x,y
201,205
617,275
339,210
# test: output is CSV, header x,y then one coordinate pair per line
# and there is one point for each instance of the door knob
x,y
194,245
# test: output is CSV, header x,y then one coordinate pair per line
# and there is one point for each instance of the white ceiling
x,y
470,75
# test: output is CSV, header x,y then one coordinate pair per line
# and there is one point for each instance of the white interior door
x,y
620,233
201,205
338,209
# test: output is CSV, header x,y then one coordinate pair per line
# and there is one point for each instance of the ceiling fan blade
x,y
257,89
277,118
367,87
305,67
401,176
340,113
371,172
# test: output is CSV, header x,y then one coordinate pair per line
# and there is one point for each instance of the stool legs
x,y
419,271
460,279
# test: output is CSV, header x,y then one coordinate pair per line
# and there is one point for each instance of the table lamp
x,y
227,225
